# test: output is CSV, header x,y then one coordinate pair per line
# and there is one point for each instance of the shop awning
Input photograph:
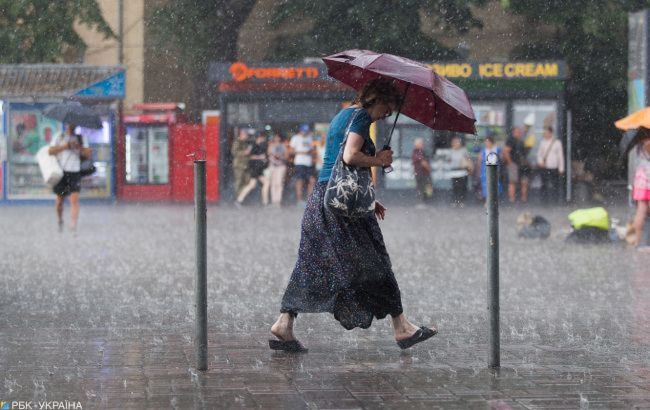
x,y
61,81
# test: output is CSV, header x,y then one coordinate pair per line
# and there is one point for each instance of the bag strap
x,y
548,151
59,139
347,129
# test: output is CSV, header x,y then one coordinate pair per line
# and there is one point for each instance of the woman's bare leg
x,y
639,220
74,210
59,211
283,327
246,190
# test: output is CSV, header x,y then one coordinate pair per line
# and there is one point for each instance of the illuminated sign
x,y
531,70
528,70
241,72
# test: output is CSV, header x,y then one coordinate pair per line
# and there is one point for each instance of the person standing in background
x,y
527,163
550,160
302,149
240,151
422,172
277,154
461,165
514,157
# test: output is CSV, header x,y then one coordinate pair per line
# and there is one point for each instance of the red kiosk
x,y
156,153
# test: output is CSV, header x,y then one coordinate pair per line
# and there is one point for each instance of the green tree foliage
x,y
41,31
591,35
380,25
201,31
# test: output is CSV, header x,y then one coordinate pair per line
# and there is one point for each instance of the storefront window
x,y
490,120
534,115
147,155
98,185
3,142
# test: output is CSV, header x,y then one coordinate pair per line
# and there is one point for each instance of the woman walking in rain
x,y
343,266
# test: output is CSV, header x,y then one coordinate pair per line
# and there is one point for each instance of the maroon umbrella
x,y
429,98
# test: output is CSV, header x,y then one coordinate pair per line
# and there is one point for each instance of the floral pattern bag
x,y
349,191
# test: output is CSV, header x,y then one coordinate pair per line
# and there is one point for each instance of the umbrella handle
x,y
388,168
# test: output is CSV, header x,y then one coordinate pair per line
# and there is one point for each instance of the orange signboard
x,y
242,72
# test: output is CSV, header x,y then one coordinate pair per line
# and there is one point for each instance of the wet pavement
x,y
105,318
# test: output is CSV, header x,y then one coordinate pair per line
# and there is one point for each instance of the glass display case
x,y
147,154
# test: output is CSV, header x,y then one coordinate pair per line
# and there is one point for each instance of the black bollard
x,y
201,293
494,355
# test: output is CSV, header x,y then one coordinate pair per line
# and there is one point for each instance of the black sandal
x,y
420,335
292,346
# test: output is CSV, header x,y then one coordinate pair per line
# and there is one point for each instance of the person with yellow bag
x,y
589,225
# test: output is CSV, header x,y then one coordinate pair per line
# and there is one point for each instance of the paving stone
x,y
106,317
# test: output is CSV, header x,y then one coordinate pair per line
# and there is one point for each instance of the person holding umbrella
x,y
641,190
68,148
343,266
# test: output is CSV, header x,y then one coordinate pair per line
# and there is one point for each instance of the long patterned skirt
x,y
342,268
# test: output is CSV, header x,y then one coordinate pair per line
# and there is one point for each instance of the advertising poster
x,y
28,130
637,60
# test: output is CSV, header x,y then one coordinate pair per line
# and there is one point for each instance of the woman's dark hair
x,y
378,91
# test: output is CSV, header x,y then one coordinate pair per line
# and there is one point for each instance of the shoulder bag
x,y
349,191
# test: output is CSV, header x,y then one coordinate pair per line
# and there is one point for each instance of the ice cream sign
x,y
520,70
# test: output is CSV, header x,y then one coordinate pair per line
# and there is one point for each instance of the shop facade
x,y
25,91
280,97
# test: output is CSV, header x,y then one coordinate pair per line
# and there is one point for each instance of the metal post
x,y
201,333
568,156
494,356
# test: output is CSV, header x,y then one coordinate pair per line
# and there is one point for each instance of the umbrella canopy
x,y
428,98
636,120
74,113
637,127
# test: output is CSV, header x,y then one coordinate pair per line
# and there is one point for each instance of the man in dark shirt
x,y
514,155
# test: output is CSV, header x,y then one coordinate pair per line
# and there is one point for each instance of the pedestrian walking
x,y
69,149
302,150
461,166
343,266
422,172
550,160
490,147
277,153
240,153
514,156
641,191
256,165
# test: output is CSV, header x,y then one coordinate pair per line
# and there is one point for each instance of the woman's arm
x,y
55,149
352,154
